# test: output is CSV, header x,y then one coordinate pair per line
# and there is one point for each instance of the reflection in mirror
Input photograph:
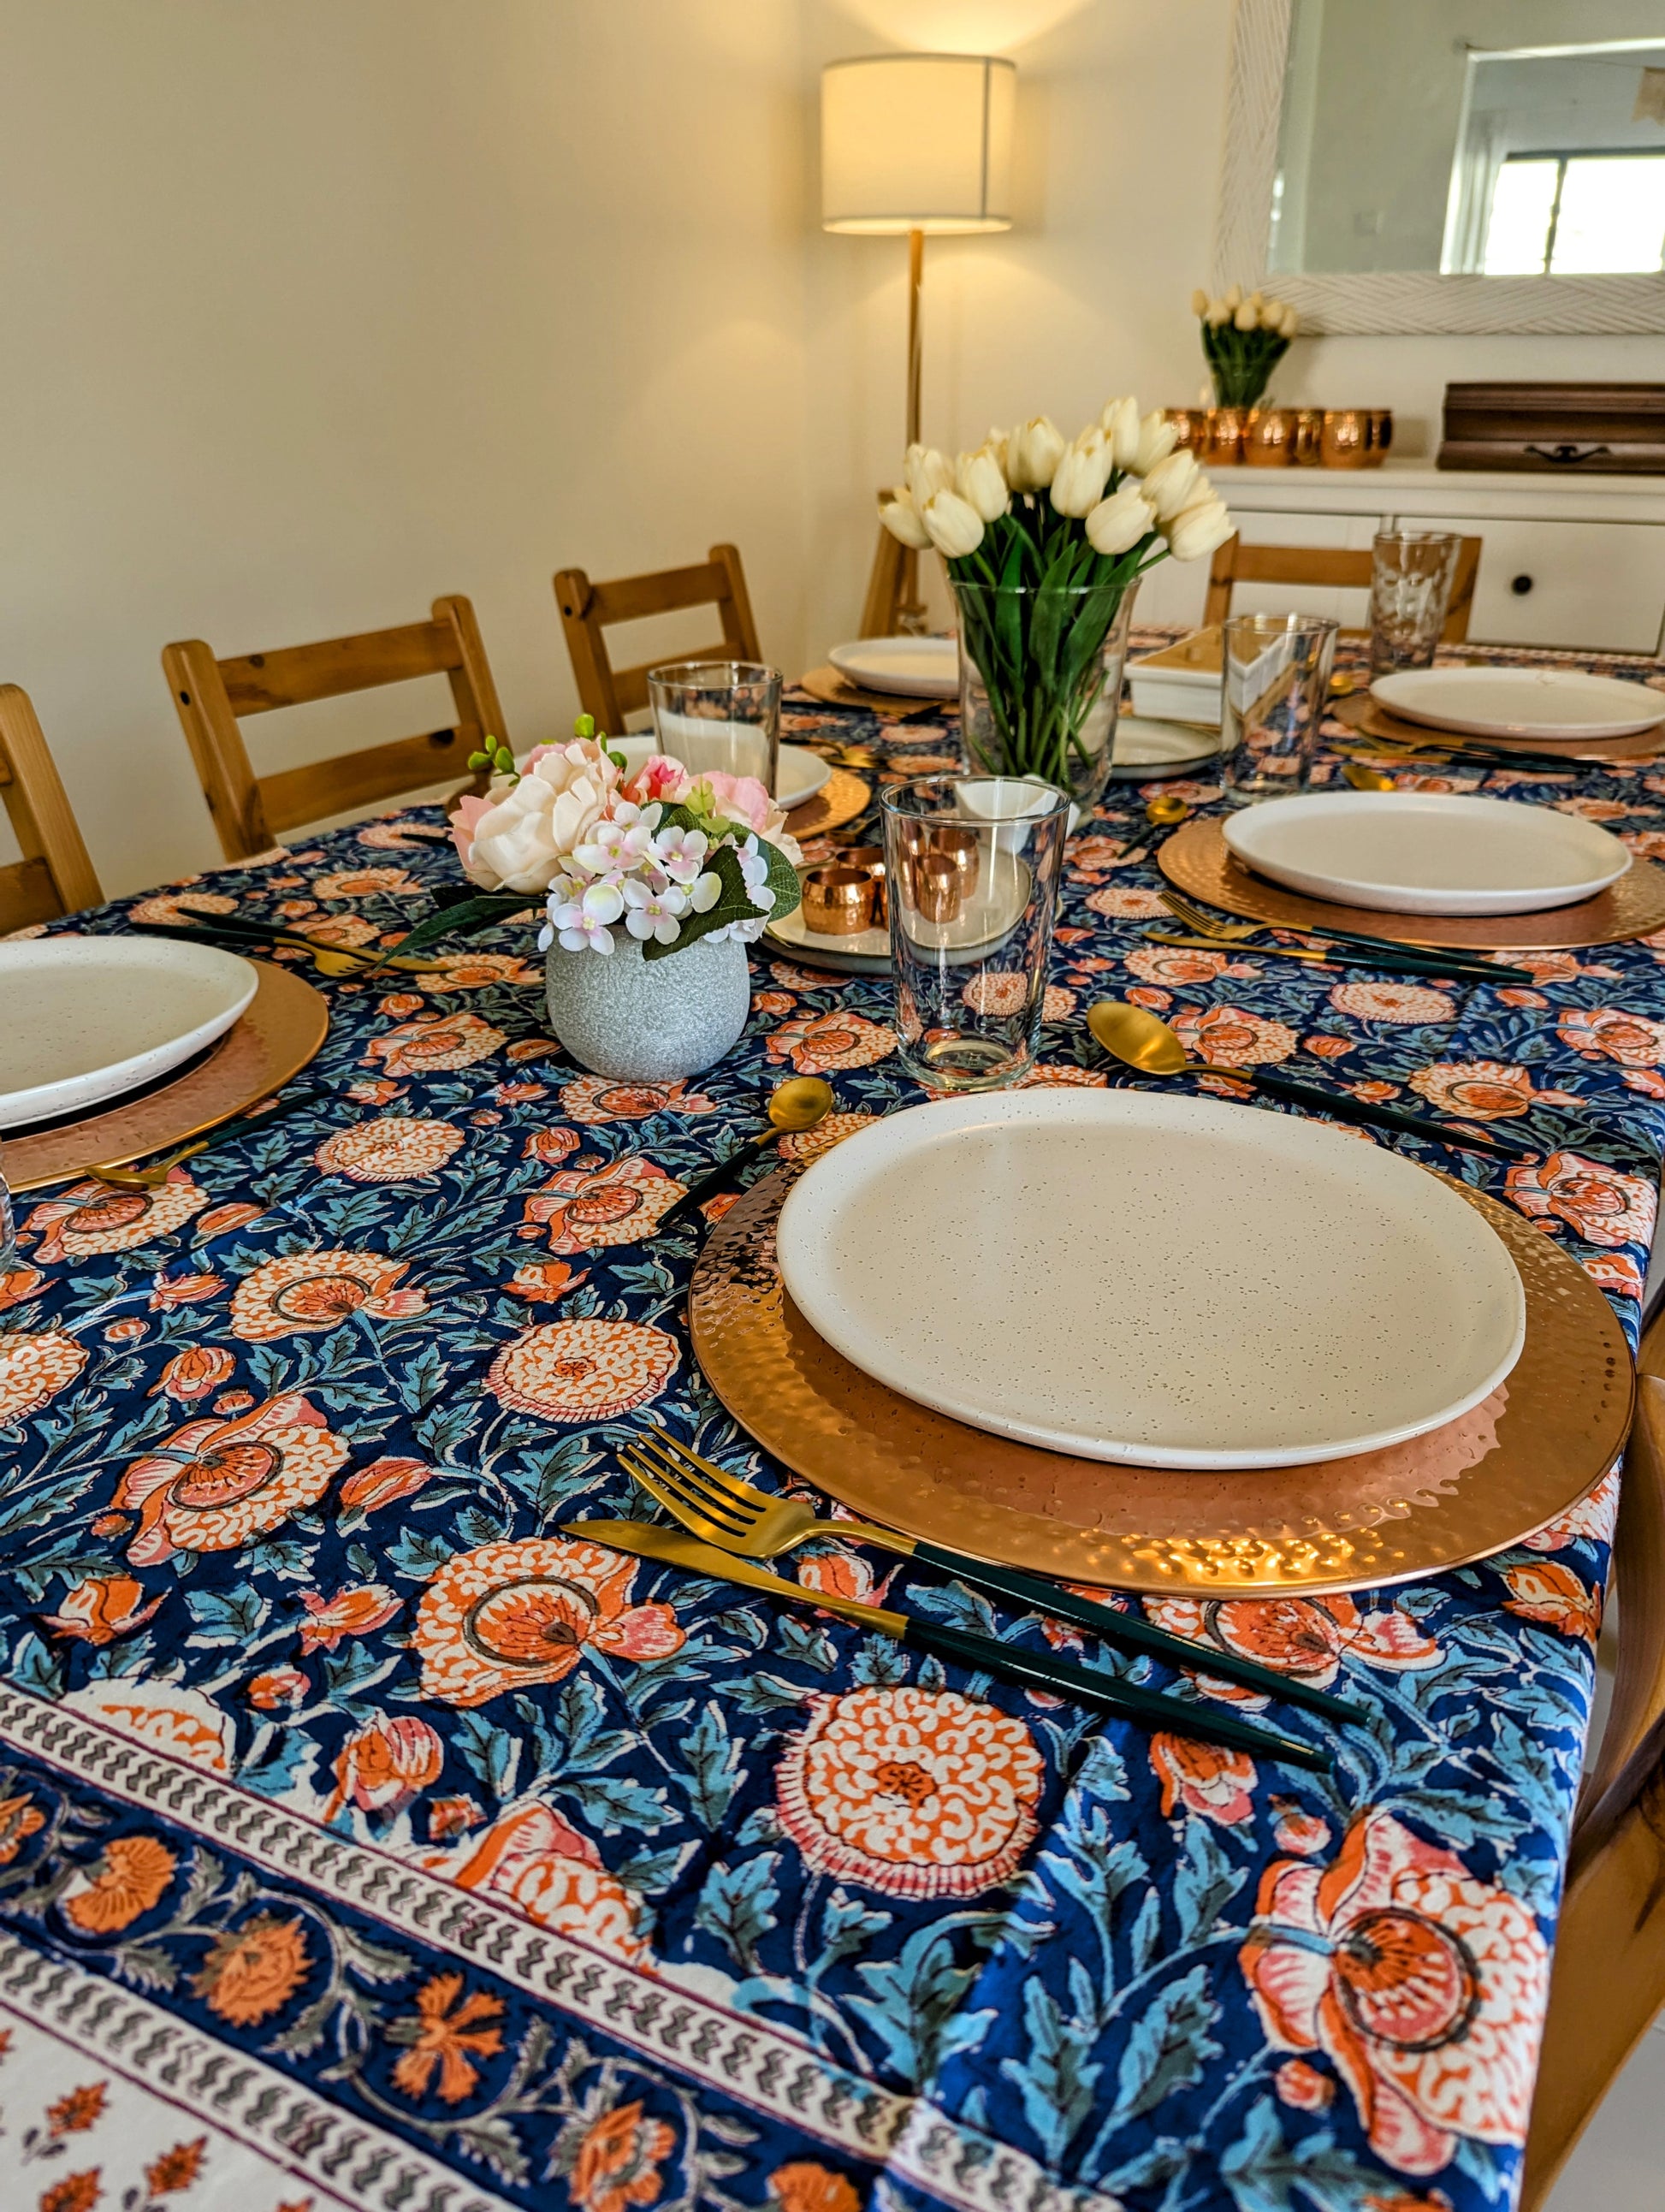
x,y
1518,138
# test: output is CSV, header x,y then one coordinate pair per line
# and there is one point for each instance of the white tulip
x,y
901,518
1257,298
1199,302
1077,484
1157,438
1271,313
995,443
1120,521
1174,484
980,482
1290,323
1218,312
1232,300
1199,528
955,526
1247,317
1034,450
926,470
1119,422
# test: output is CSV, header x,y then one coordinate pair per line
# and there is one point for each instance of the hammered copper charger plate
x,y
1523,1454
285,1023
1196,860
826,684
841,799
1362,712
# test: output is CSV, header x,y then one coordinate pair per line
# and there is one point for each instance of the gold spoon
x,y
1159,812
1140,1040
1367,779
796,1104
154,1176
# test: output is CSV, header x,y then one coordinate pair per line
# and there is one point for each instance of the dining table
x,y
367,1840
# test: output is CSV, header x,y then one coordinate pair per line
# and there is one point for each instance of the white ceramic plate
x,y
1146,750
915,667
799,773
1541,704
84,1018
1427,852
1141,1277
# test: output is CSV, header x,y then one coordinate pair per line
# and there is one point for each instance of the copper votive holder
x,y
1269,441
1308,437
963,848
1190,427
1223,436
934,884
1346,438
869,858
1378,434
838,901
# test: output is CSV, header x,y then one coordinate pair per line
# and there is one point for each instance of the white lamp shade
x,y
917,141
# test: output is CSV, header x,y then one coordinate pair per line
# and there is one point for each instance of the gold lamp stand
x,y
893,602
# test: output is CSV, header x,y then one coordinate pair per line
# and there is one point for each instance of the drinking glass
x,y
1275,674
719,717
1411,572
972,866
8,1232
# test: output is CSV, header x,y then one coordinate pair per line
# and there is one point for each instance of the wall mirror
x,y
1498,165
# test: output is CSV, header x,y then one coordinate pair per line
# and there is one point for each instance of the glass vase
x,y
1040,681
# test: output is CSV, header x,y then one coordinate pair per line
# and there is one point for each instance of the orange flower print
x,y
1608,1033
279,1686
352,930
443,2033
386,1765
1590,1520
583,1370
477,971
1055,1075
1128,902
1304,1637
1599,1203
221,1220
76,2192
808,1145
393,1148
1476,1090
212,1485
383,1482
453,1816
839,1574
1552,1594
433,1043
1414,1004
912,1792
320,1289
253,1972
544,1282
101,1608
618,1204
1616,1273
184,1290
816,1044
167,1715
349,1612
89,1218
597,1098
532,1859
179,906
33,1368
195,1372
803,2187
1230,1036
510,1615
132,1874
19,1819
1423,1986
365,883
1218,1784
78,2110
1175,966
616,2161
1303,2086
176,2170
17,1283
1302,1833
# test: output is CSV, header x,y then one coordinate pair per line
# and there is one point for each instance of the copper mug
x,y
1378,434
1223,436
1309,439
1346,438
837,902
963,848
1269,441
1190,427
934,886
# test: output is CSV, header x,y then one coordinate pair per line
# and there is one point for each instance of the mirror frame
x,y
1401,304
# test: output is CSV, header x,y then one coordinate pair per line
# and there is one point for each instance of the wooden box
x,y
1590,429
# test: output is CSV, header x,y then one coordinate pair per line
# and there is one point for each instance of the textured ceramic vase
x,y
648,1021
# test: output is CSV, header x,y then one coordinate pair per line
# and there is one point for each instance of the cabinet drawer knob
x,y
1520,586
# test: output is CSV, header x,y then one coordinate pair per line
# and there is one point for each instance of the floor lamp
x,y
913,144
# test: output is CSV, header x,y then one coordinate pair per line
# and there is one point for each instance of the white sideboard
x,y
1570,561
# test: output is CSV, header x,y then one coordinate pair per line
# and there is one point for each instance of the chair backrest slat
x,y
589,609
55,876
1329,567
211,696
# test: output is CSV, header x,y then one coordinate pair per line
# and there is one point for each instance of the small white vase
x,y
648,1021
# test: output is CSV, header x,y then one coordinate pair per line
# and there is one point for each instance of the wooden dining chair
x,y
1607,1981
211,697
54,875
588,610
1333,567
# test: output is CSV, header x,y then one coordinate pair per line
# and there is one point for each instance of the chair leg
x,y
893,602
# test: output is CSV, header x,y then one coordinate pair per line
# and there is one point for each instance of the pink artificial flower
x,y
468,812
659,777
741,799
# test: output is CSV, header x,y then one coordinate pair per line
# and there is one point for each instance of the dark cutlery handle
x,y
718,1178
1428,957
1345,1109
1132,1632
1065,1679
1416,963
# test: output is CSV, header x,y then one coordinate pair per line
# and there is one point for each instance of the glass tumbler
x,y
1411,573
972,868
8,1231
1275,674
718,717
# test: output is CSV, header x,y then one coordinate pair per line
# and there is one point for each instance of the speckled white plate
x,y
915,667
83,1018
1538,704
1159,1279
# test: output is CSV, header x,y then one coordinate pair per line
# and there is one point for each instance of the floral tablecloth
x,y
366,1841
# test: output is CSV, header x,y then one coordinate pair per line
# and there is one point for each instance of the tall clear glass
x,y
8,1230
718,717
1040,680
1411,573
972,867
1274,678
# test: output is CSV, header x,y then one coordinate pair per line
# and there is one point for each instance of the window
x,y
1576,214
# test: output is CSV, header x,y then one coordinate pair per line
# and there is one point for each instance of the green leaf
x,y
465,918
737,1905
1169,2046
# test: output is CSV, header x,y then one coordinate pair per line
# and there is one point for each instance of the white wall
x,y
315,311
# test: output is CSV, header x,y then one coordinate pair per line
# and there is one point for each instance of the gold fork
x,y
736,1517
